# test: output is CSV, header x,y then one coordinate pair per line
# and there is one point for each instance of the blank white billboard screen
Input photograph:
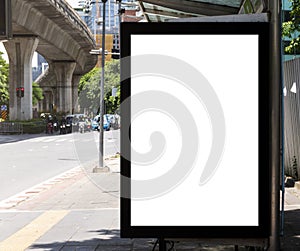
x,y
204,126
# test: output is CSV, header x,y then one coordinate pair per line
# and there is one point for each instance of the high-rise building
x,y
91,11
41,67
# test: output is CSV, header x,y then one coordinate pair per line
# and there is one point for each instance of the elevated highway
x,y
54,30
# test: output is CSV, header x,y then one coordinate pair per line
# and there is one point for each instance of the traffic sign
x,y
3,107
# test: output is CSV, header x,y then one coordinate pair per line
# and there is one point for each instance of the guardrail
x,y
11,127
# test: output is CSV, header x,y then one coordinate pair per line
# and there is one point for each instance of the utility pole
x,y
275,80
101,167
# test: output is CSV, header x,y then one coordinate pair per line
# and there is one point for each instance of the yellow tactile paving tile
x,y
23,238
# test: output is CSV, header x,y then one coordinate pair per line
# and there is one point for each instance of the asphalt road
x,y
50,199
72,208
28,162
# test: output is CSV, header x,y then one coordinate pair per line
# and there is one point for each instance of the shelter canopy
x,y
162,10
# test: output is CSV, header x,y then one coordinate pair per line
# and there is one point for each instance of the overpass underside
x,y
54,30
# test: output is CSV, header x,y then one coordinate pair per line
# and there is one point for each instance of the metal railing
x,y
68,11
11,127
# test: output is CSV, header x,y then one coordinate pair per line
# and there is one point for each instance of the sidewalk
x,y
96,228
91,201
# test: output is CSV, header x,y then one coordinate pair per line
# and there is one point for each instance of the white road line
x,y
60,140
49,140
35,140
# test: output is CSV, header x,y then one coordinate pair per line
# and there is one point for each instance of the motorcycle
x,y
49,128
55,126
81,127
63,128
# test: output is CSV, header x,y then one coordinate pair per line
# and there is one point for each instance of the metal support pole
x,y
162,244
101,167
120,15
275,77
19,81
282,147
102,87
120,21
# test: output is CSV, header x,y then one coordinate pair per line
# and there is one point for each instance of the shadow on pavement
x,y
109,240
12,138
291,237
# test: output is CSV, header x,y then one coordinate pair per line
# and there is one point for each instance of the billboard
x,y
195,130
2,18
5,19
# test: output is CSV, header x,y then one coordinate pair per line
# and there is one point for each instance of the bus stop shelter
x,y
239,11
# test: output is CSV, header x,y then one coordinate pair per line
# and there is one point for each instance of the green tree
x,y
89,88
112,103
37,93
112,80
4,92
291,29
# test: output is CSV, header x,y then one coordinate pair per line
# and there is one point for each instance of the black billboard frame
x,y
164,232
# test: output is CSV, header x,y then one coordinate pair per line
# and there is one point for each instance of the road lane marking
x,y
23,238
48,140
35,140
61,140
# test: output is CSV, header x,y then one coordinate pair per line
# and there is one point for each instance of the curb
x,y
297,185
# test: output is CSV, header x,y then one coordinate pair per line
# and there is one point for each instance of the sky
x,y
73,3
2,49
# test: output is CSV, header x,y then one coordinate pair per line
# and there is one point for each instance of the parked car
x,y
106,123
73,120
69,124
96,121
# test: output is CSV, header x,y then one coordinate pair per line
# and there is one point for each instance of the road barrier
x,y
11,127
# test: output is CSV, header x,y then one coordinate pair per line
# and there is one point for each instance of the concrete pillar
x,y
44,103
40,106
63,98
48,101
20,51
75,84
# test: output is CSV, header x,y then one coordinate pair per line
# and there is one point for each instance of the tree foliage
x,y
112,103
89,88
37,93
291,28
4,92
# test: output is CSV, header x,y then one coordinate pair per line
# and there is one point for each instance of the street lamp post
x,y
101,167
